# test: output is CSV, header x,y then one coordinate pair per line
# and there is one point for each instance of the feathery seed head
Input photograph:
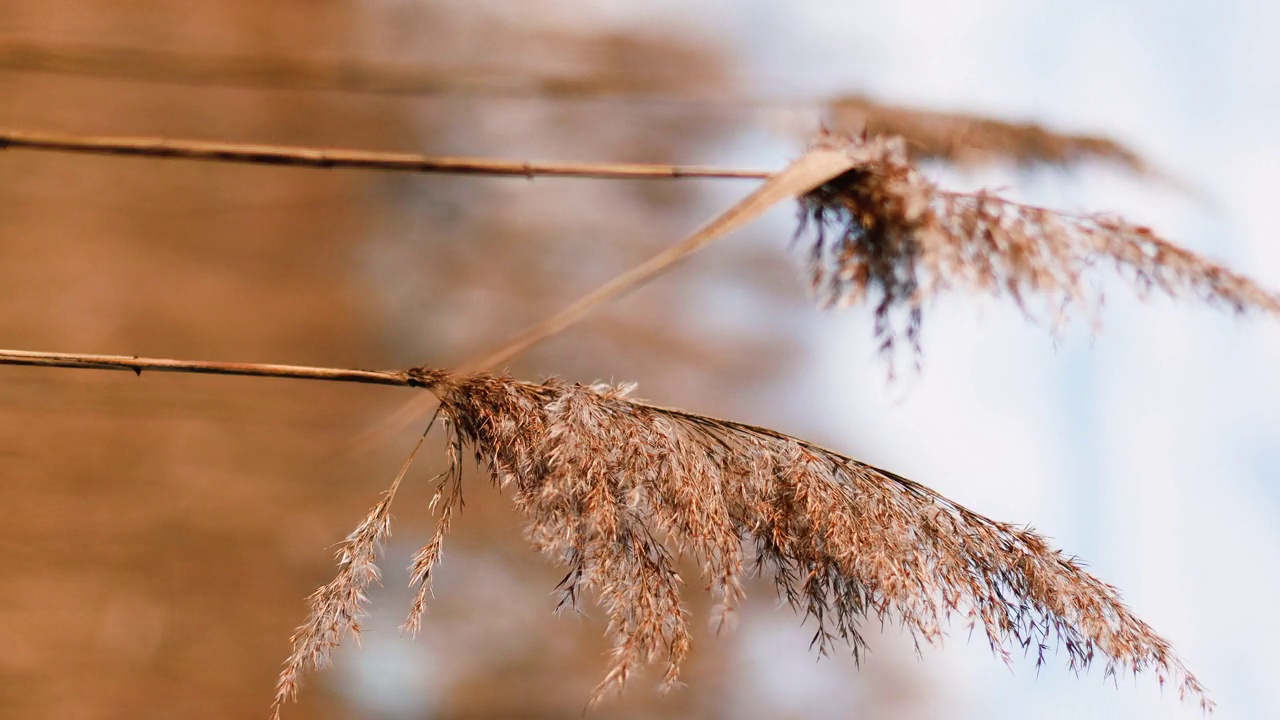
x,y
614,489
884,232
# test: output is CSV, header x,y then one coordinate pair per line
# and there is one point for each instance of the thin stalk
x,y
204,367
807,172
334,158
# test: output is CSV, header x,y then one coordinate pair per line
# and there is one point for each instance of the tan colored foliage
x,y
616,490
882,231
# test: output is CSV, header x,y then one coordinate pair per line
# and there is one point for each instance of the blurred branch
x,y
267,72
204,367
344,75
148,65
332,158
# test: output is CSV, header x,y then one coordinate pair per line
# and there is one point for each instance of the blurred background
x,y
161,533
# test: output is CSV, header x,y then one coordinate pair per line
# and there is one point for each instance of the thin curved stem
x,y
807,172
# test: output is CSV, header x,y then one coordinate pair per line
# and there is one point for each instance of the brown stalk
x,y
804,174
333,158
203,367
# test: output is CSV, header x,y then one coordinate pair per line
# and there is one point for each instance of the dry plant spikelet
x,y
882,230
336,608
965,139
615,490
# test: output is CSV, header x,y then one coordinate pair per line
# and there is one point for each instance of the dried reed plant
x,y
883,231
966,139
616,490
337,607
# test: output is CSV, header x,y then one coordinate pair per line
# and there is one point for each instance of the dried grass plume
x,y
965,139
883,231
336,608
615,490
